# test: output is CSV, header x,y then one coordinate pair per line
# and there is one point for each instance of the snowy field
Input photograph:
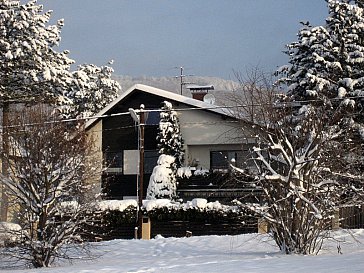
x,y
243,253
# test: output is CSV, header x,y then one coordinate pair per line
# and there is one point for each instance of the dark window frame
x,y
221,159
114,161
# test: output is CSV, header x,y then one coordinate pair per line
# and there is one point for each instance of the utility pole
x,y
140,119
181,76
141,169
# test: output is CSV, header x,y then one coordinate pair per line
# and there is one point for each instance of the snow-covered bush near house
x,y
119,205
162,182
199,204
184,172
202,172
149,205
9,233
187,172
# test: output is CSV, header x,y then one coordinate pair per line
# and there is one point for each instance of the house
x,y
213,138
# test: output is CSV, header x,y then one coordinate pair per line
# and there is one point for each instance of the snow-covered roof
x,y
161,93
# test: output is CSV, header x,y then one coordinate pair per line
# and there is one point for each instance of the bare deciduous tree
x,y
295,171
50,164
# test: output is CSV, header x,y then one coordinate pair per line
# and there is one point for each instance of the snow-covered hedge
x,y
196,210
115,214
119,205
111,212
110,218
199,204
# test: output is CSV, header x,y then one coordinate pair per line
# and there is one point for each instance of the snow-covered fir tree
x,y
32,70
93,90
326,70
169,137
162,183
326,63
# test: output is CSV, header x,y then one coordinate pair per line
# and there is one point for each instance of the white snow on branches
x,y
162,183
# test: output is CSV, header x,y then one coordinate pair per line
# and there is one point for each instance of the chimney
x,y
199,91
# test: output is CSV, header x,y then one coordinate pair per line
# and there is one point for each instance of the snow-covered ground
x,y
243,253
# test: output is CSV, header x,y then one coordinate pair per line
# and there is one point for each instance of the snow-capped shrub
x,y
201,172
184,172
118,205
162,182
10,234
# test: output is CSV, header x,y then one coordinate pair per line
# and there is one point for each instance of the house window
x,y
153,118
113,162
221,160
150,160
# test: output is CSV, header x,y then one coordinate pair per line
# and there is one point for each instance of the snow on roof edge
x,y
161,93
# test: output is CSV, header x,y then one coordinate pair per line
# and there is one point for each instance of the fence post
x,y
335,221
262,226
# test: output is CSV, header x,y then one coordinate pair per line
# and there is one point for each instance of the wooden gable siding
x,y
120,133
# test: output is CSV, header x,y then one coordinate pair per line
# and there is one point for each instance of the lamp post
x,y
140,120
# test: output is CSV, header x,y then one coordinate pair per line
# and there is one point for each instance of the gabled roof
x,y
161,93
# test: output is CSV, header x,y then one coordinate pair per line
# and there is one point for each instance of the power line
x,y
284,104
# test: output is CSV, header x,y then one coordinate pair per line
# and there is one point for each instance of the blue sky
x,y
207,37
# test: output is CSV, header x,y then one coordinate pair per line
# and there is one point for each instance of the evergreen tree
x,y
326,64
309,154
91,94
326,70
31,70
169,138
162,183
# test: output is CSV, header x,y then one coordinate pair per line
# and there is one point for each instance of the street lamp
x,y
140,120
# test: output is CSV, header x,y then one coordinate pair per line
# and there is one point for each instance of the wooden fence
x,y
349,217
181,228
352,217
173,228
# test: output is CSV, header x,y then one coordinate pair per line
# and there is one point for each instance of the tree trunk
x,y
4,161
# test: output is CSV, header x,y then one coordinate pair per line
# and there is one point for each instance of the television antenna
x,y
182,76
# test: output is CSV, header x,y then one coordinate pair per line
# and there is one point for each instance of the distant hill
x,y
173,84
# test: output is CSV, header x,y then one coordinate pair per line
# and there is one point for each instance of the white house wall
x,y
131,162
204,132
199,127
